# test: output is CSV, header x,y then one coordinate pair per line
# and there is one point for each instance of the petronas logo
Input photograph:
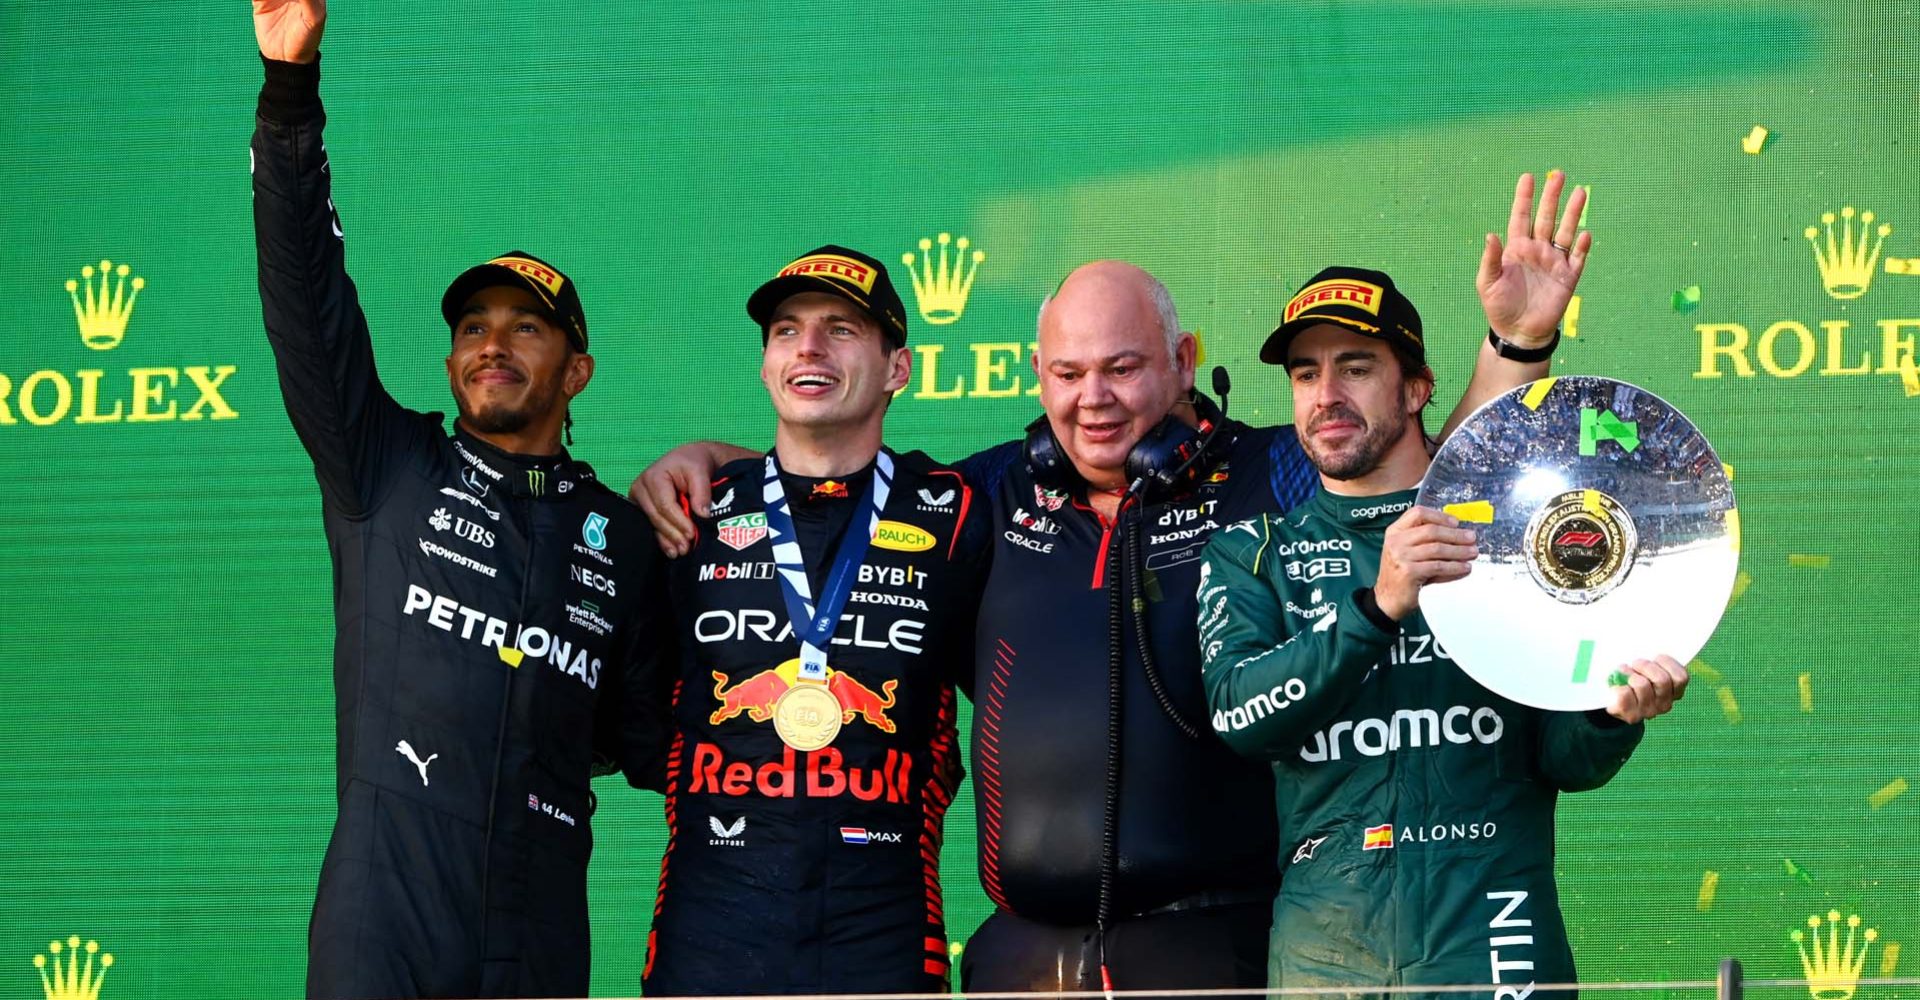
x,y
65,975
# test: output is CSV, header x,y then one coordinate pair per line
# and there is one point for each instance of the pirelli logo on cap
x,y
1346,291
833,266
548,278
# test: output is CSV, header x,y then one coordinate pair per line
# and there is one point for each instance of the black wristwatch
x,y
1513,352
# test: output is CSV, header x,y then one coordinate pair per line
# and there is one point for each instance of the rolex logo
x,y
71,979
108,304
1846,264
1833,968
942,288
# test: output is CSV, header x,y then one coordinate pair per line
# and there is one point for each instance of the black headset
x,y
1170,458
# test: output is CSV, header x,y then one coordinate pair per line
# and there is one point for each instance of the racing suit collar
x,y
543,477
1371,513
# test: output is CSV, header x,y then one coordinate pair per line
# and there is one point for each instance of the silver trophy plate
x,y
1607,532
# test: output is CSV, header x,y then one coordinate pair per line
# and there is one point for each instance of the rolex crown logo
x,y
72,980
1833,968
1846,264
942,288
103,313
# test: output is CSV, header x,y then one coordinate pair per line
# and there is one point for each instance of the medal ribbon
x,y
814,625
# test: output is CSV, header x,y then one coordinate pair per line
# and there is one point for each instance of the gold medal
x,y
807,716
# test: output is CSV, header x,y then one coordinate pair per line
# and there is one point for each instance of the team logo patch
x,y
740,532
902,537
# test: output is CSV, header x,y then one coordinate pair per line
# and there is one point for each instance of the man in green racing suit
x,y
1415,806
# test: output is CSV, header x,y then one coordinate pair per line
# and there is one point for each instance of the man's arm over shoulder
x,y
1269,690
348,423
633,725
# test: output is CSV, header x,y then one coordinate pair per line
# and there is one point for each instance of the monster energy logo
x,y
537,481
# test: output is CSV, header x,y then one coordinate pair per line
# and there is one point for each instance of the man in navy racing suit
x,y
808,862
494,603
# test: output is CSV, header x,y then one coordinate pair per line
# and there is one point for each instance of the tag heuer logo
x,y
740,532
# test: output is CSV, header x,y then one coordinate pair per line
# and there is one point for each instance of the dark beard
x,y
1363,456
502,419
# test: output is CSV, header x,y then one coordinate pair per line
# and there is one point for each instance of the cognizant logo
x,y
1415,727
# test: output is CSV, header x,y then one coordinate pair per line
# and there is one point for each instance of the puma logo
x,y
406,750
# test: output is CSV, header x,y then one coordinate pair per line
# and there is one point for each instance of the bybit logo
x,y
103,299
103,316
72,980
1833,968
942,289
1846,257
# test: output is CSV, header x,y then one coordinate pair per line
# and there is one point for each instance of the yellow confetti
x,y
1755,140
511,656
1570,323
1806,692
1889,959
1537,393
1910,377
1733,529
1805,561
1705,671
1728,469
1894,789
1741,582
1590,501
1708,883
1903,265
1730,705
1476,511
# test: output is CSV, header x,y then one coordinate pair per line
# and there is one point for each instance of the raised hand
x,y
289,30
1526,283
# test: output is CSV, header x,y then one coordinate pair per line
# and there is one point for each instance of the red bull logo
x,y
823,774
755,696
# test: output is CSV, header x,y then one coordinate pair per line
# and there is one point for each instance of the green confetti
x,y
1618,678
1596,427
1686,299
1795,871
1582,661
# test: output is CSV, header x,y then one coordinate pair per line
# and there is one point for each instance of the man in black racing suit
x,y
799,867
492,610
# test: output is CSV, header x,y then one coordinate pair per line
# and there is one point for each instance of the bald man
x,y
1121,841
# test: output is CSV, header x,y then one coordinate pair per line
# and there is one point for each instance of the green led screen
x,y
166,759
